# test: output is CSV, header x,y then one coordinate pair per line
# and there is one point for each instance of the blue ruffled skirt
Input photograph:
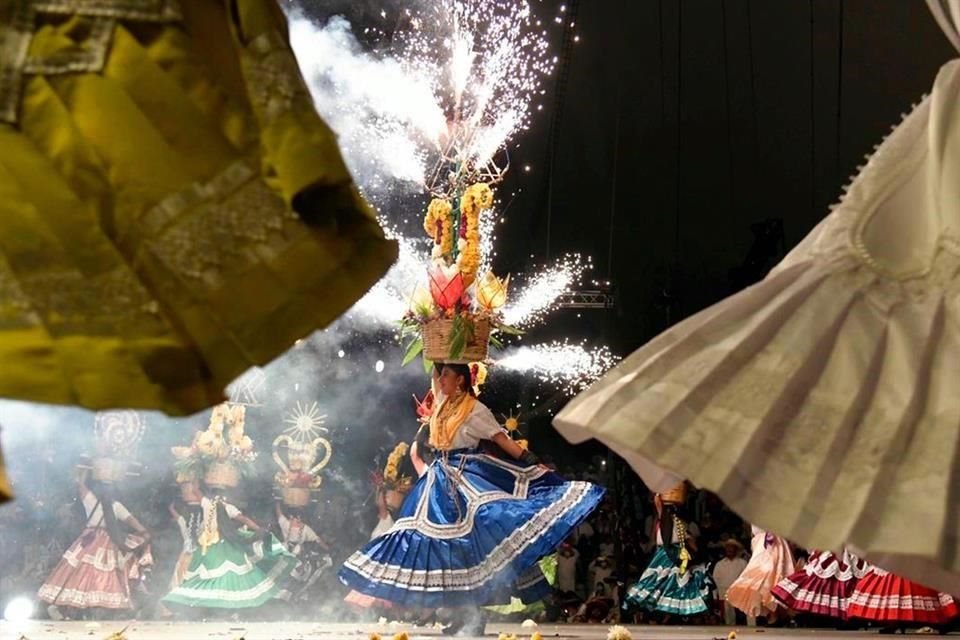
x,y
471,533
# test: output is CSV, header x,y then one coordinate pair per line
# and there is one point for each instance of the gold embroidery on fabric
x,y
143,10
232,210
15,307
273,77
16,31
18,23
88,56
91,304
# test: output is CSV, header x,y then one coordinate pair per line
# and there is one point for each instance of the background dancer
x,y
237,565
824,586
310,550
671,584
98,569
895,603
770,562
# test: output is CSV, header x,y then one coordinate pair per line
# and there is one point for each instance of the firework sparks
x,y
432,109
539,297
569,366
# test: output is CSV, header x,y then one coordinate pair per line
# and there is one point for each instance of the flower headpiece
x,y
478,376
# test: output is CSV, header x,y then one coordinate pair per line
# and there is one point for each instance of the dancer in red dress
x,y
824,586
887,598
97,570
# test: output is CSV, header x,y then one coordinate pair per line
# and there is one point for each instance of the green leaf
x,y
511,331
458,338
414,349
427,365
496,343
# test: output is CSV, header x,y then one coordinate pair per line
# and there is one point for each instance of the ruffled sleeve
x,y
482,425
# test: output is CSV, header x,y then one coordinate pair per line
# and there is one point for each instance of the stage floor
x,y
318,631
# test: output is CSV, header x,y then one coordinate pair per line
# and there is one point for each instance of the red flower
x,y
425,406
446,286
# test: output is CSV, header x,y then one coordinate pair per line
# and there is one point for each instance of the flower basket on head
x,y
677,495
222,475
109,470
457,313
295,496
190,491
445,341
221,454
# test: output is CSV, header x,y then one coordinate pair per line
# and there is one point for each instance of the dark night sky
x,y
730,112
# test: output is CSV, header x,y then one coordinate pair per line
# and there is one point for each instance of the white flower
x,y
619,633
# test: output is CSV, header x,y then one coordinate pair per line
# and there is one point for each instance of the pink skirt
x,y
752,592
95,573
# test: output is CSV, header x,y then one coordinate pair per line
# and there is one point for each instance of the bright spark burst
x,y
432,109
569,366
540,296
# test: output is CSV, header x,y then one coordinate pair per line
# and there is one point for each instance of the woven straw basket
x,y
109,470
295,496
222,474
190,491
436,341
677,495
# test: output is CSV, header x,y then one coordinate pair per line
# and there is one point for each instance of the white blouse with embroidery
x,y
479,425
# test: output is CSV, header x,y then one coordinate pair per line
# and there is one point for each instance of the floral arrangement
x,y
223,440
424,407
393,480
454,291
300,462
297,479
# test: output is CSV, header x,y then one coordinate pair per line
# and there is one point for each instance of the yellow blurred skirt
x,y
172,209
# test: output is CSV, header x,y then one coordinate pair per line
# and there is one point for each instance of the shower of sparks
x,y
529,305
456,84
306,422
428,108
568,366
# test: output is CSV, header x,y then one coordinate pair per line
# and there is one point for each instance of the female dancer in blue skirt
x,y
473,528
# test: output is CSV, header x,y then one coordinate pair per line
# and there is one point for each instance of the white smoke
x,y
382,112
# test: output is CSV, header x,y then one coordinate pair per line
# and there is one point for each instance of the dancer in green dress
x,y
237,564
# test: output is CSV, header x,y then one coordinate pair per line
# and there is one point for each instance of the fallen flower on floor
x,y
619,633
118,635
